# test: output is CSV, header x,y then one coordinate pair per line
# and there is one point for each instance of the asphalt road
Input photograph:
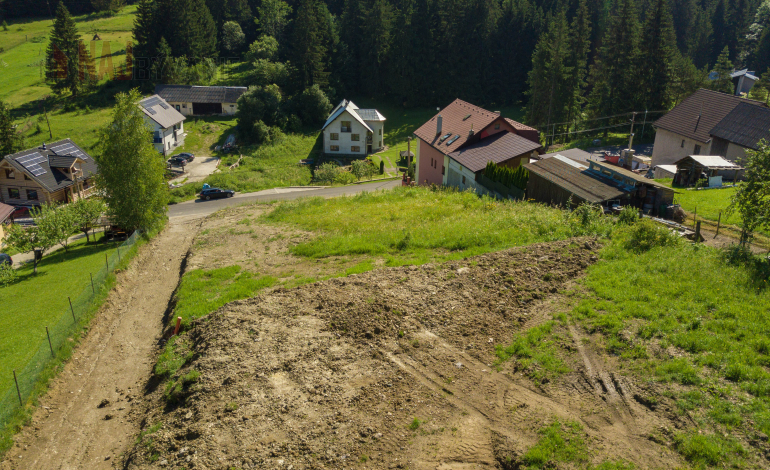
x,y
199,208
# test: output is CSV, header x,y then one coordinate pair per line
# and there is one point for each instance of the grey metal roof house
x,y
167,123
56,172
191,100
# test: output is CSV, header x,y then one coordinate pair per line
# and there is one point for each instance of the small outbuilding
x,y
711,168
192,100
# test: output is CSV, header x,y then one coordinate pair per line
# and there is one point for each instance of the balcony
x,y
346,130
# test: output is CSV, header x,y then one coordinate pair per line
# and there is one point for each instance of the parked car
x,y
5,259
187,156
216,193
179,161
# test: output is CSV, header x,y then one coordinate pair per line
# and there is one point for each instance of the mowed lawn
x,y
37,301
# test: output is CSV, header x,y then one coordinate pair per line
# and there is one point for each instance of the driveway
x,y
199,208
198,169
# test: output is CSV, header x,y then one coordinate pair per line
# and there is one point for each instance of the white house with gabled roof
x,y
353,131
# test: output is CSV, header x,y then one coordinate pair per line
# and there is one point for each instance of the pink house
x,y
457,143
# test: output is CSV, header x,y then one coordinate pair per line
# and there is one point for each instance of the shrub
x,y
628,216
326,173
260,133
647,235
509,177
345,177
258,104
264,48
5,26
360,168
8,275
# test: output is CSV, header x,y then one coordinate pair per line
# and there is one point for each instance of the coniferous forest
x,y
565,60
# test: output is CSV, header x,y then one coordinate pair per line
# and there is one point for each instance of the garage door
x,y
207,108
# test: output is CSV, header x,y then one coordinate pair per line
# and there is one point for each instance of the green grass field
x,y
37,301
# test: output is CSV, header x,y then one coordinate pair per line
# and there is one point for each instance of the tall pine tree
x,y
580,47
614,77
64,55
309,46
656,59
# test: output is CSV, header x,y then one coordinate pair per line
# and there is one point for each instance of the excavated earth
x,y
394,368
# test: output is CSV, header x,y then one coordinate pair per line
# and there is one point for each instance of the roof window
x,y
466,117
445,137
453,139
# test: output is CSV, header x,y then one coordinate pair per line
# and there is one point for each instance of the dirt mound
x,y
388,369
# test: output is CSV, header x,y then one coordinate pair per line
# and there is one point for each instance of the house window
x,y
697,150
10,174
380,131
334,136
334,148
355,137
13,193
86,184
32,195
184,106
355,148
346,126
682,144
497,126
442,170
232,105
177,107
463,179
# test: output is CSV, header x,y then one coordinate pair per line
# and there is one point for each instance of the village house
x,y
710,123
191,100
565,182
57,172
455,145
350,131
5,218
167,124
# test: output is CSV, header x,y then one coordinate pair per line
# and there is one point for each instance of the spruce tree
x,y
272,17
374,44
656,58
719,30
197,40
402,77
309,48
699,39
62,54
10,140
580,46
549,78
144,30
720,74
614,77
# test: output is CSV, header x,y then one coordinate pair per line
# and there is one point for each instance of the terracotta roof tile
x,y
458,119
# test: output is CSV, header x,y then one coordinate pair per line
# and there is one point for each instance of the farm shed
x,y
663,171
710,167
562,181
647,194
192,100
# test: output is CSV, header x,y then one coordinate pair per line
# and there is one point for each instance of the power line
x,y
607,117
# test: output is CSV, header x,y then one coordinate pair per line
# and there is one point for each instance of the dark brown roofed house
x,y
455,146
708,123
56,172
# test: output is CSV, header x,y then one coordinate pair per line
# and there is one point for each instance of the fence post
x,y
697,232
118,253
72,310
93,291
18,392
719,222
49,341
695,217
107,262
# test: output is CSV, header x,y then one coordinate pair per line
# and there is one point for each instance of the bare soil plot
x,y
393,368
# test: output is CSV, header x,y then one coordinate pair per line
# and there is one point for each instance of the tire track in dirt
x,y
74,428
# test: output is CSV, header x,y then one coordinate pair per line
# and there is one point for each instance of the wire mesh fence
x,y
60,337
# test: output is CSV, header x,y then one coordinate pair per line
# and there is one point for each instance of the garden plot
x,y
397,368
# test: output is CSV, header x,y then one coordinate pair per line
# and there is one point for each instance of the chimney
x,y
470,133
439,123
43,145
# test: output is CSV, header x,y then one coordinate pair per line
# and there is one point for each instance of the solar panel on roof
x,y
31,162
69,149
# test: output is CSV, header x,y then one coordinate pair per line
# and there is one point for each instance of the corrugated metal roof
x,y
157,109
575,154
199,94
497,148
51,178
631,175
585,184
699,113
714,162
745,125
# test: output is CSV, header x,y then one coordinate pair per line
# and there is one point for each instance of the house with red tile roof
x,y
457,143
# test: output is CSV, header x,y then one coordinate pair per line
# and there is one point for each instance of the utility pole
x,y
50,134
631,136
644,123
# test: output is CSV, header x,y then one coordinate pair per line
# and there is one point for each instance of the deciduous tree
x,y
85,212
10,140
131,173
752,200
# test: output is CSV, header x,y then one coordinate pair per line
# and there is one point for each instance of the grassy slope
x,y
37,301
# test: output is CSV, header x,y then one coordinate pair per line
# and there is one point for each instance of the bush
x,y
326,173
628,216
260,133
345,177
510,177
264,48
258,104
647,235
5,26
8,275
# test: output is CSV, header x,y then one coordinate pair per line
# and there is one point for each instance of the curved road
x,y
199,208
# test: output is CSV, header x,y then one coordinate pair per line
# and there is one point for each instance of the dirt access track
x,y
333,375
75,428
